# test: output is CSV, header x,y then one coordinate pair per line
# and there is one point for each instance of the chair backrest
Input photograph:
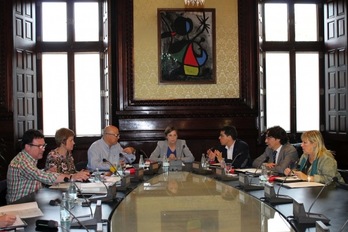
x,y
298,148
81,165
344,174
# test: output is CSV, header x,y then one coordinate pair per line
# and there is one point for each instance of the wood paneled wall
x,y
199,120
142,122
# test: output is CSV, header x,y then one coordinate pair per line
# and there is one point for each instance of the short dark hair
x,y
169,129
278,133
30,135
230,131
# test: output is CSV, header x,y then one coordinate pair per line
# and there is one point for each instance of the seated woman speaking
x,y
173,148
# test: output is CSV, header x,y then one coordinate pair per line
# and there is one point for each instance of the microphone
x,y
143,153
258,167
321,190
79,223
176,165
286,177
86,202
244,179
220,172
234,159
153,166
109,196
276,199
344,225
125,180
303,217
113,166
45,224
55,202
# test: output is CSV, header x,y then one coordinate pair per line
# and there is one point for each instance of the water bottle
x,y
65,217
97,176
203,161
264,174
264,171
223,163
141,161
165,164
72,191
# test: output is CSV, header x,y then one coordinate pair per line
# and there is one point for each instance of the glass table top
x,y
183,201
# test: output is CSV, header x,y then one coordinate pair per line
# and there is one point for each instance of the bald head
x,y
111,135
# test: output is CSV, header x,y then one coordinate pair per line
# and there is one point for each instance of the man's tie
x,y
274,157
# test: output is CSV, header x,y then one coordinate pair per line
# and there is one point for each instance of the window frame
x,y
71,47
292,47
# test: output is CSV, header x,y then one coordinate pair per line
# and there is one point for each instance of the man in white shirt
x,y
232,149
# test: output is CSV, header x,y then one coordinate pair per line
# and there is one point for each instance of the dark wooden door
x,y
24,67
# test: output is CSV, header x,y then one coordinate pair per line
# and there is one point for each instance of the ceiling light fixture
x,y
194,2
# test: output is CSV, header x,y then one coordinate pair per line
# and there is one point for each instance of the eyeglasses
x,y
42,146
116,135
269,137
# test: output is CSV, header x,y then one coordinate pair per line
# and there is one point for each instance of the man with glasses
x,y
109,149
279,153
23,176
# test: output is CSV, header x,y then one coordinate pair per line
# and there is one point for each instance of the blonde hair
x,y
315,137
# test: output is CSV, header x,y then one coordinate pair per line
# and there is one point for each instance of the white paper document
x,y
303,184
249,170
24,210
287,179
89,188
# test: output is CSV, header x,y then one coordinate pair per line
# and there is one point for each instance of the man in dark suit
x,y
232,149
279,153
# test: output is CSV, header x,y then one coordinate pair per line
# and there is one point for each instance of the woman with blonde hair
x,y
317,163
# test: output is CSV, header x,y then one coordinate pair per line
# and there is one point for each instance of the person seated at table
x,y
6,220
232,149
173,148
108,148
279,153
317,164
23,176
60,159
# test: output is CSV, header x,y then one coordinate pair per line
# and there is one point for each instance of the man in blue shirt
x,y
108,148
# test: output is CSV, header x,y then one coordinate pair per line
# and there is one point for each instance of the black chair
x,y
3,192
298,148
344,174
81,165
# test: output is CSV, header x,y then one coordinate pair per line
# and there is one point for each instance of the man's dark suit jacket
x,y
241,156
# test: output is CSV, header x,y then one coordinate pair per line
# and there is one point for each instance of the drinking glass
x,y
228,168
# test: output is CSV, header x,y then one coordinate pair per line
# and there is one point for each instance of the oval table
x,y
183,201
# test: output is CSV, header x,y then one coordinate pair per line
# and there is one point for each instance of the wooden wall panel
x,y
336,84
198,120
